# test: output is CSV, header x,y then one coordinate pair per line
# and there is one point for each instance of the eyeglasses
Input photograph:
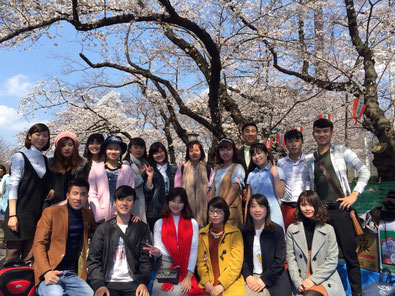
x,y
216,211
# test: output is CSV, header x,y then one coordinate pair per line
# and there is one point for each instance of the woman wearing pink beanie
x,y
66,165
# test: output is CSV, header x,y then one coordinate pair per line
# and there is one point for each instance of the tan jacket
x,y
50,240
235,208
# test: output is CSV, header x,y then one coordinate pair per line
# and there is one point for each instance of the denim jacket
x,y
155,196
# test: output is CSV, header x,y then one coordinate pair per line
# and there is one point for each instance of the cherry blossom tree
x,y
357,34
222,63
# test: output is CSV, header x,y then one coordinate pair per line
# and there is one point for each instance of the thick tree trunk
x,y
374,120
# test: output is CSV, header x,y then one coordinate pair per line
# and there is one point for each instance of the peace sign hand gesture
x,y
153,251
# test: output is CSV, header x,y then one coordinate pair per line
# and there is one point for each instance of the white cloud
x,y
18,86
10,121
7,116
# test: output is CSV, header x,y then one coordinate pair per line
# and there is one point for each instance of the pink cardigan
x,y
99,191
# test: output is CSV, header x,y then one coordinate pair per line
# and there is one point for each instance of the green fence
x,y
372,196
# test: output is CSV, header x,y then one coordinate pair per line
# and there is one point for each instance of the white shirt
x,y
162,170
256,251
295,181
247,156
158,243
35,157
120,270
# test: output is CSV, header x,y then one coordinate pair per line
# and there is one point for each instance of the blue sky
x,y
20,69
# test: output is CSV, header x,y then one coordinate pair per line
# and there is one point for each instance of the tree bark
x,y
374,120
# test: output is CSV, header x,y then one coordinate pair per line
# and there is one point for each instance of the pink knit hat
x,y
67,135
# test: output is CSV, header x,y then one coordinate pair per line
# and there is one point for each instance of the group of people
x,y
248,226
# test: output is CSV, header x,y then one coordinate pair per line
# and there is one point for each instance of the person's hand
x,y
252,284
142,290
273,169
51,277
261,284
208,287
152,251
135,219
348,201
50,196
13,223
103,291
186,284
149,171
217,290
307,284
143,168
244,194
300,289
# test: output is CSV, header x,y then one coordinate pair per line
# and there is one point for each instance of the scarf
x,y
180,256
136,163
197,198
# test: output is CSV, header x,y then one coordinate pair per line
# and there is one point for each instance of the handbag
x,y
168,275
353,213
384,288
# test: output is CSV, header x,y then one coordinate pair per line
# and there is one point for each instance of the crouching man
x,y
117,262
61,234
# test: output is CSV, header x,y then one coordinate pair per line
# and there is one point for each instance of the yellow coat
x,y
231,255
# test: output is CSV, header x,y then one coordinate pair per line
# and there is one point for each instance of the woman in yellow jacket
x,y
220,253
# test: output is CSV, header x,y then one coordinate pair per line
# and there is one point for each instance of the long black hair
x,y
262,201
311,197
173,193
136,142
154,148
93,137
226,143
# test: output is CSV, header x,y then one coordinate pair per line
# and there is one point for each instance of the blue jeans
x,y
69,284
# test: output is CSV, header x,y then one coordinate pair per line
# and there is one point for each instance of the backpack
x,y
16,278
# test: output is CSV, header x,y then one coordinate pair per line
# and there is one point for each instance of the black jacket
x,y
100,259
155,197
273,253
60,181
251,167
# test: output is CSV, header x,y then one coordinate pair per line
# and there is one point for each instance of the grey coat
x,y
324,258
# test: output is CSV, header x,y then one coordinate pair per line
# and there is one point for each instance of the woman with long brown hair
x,y
176,244
312,252
66,165
263,267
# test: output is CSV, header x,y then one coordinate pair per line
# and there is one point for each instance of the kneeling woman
x,y
263,268
175,240
312,252
220,253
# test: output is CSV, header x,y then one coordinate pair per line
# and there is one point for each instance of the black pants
x,y
122,289
345,236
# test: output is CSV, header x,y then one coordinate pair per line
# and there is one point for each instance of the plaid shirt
x,y
340,156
